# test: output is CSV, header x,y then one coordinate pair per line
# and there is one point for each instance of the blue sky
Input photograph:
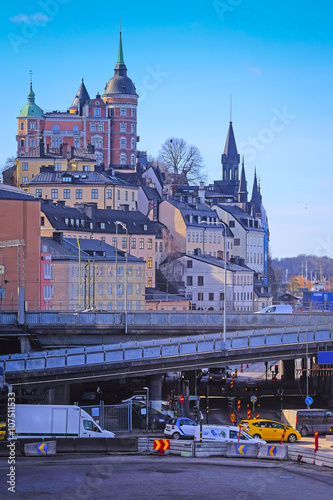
x,y
186,58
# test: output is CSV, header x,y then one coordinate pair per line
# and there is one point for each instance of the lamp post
x,y
225,276
118,223
147,408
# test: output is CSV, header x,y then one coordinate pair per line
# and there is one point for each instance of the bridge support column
x,y
155,387
59,395
25,344
288,370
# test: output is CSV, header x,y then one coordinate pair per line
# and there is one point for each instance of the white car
x,y
225,433
138,398
181,427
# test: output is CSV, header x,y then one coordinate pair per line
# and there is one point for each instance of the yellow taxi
x,y
2,430
270,430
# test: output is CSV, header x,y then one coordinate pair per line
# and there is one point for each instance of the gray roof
x,y
154,294
13,193
214,261
119,84
196,210
81,96
78,177
88,247
230,148
241,217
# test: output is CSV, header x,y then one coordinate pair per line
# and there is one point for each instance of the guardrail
x,y
152,349
166,318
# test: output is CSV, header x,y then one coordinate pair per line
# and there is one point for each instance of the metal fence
x,y
115,418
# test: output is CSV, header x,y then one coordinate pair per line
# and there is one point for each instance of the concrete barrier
x,y
40,449
273,451
90,445
122,444
7,448
210,449
183,448
301,454
324,458
66,445
241,450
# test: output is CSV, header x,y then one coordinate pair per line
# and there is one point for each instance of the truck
x,y
307,421
52,421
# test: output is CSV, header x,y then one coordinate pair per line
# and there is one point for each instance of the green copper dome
x,y
31,109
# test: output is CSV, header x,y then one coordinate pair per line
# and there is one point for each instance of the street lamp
x,y
225,276
147,408
118,223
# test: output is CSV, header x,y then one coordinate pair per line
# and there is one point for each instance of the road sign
x,y
271,452
308,401
41,447
233,417
253,399
181,399
241,449
325,357
161,444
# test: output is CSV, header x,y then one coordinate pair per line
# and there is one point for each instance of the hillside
x,y
311,265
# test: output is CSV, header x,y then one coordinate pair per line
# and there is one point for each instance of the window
x,y
150,244
124,242
132,143
126,195
97,112
123,127
32,143
141,243
120,271
161,246
75,129
122,111
118,194
123,159
22,126
101,127
211,296
132,112
132,195
109,194
150,282
221,296
38,193
237,242
132,161
55,129
22,143
54,193
67,194
149,263
32,125
200,296
138,305
200,281
129,271
109,271
189,264
114,242
25,165
86,168
67,178
231,223
132,128
138,288
138,271
123,143
99,158
92,127
189,280
76,142
102,225
57,166
100,288
78,194
94,194
133,243
24,179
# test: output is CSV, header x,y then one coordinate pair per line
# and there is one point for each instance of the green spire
x,y
31,109
120,59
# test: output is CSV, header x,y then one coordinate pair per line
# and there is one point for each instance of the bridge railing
x,y
164,348
166,318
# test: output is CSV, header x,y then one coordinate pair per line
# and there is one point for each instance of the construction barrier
x,y
40,449
242,450
210,449
324,458
301,454
273,451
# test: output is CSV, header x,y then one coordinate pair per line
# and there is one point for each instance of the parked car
x,y
181,427
307,421
141,398
278,309
270,430
156,419
225,433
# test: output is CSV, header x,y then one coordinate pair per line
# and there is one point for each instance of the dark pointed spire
x,y
81,97
230,148
256,197
242,190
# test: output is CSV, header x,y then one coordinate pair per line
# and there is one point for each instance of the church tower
x,y
121,97
30,123
242,190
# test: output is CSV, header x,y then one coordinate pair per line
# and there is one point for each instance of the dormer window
x,y
191,219
72,222
97,112
91,225
77,222
66,221
82,223
102,225
145,227
67,178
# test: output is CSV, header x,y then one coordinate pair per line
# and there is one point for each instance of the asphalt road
x,y
164,478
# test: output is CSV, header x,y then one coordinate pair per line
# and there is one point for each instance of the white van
x,y
225,433
278,309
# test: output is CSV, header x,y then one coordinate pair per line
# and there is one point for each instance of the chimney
x,y
89,209
72,152
41,147
201,192
197,252
220,254
64,149
58,237
61,203
124,207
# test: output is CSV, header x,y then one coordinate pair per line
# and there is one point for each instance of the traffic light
x,y
171,396
276,369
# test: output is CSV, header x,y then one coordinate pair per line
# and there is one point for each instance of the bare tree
x,y
10,162
183,162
